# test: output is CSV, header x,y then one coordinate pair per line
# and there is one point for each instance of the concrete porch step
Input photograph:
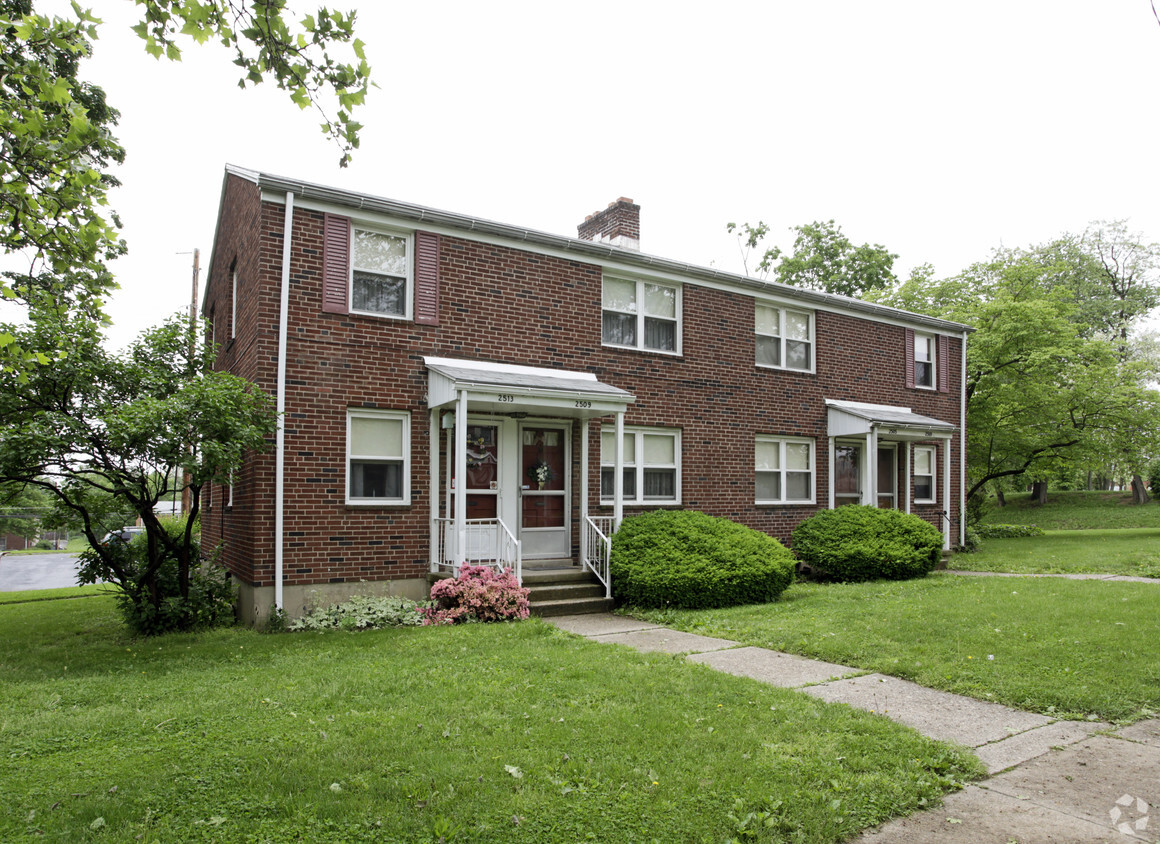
x,y
582,606
564,591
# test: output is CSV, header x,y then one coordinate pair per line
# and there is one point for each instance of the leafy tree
x,y
21,509
1127,277
1044,387
57,145
823,258
104,434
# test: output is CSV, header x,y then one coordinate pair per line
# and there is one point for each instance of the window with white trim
x,y
641,315
784,470
785,339
924,360
380,273
925,459
652,470
378,457
233,302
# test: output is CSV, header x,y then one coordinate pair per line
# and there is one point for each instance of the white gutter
x,y
280,444
963,448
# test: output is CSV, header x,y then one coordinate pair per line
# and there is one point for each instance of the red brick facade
x,y
534,306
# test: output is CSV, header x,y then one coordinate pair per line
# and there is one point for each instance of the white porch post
x,y
433,456
460,480
584,429
908,448
946,450
833,480
870,494
618,478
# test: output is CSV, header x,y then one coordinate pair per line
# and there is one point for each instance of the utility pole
x,y
186,498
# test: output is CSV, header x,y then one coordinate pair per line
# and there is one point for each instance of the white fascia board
x,y
631,264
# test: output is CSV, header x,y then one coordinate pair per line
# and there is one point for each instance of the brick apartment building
x,y
569,381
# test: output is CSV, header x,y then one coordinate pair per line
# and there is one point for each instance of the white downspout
x,y
280,442
947,493
963,448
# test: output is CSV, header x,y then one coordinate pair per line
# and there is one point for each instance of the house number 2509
x,y
584,404
506,399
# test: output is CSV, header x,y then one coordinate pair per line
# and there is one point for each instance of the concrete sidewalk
x,y
1052,781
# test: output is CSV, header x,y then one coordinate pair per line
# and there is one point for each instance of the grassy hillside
x,y
1076,510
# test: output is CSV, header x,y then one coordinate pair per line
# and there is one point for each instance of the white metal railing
x,y
598,549
488,542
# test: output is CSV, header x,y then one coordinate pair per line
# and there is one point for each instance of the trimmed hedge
x,y
858,542
1008,531
682,558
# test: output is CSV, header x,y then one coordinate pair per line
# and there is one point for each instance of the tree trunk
x,y
1139,490
999,498
1039,492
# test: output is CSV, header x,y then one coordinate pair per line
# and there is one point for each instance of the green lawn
x,y
53,594
1126,551
1074,649
75,545
1076,510
481,733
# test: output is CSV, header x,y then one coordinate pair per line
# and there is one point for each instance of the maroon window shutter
x,y
944,364
426,278
910,358
335,263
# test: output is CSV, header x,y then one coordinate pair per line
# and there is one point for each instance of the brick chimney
x,y
618,225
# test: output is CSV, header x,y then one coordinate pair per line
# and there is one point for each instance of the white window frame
x,y
933,452
782,339
641,315
234,304
404,459
932,340
608,461
783,470
408,281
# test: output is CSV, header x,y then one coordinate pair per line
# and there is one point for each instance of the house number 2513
x,y
506,399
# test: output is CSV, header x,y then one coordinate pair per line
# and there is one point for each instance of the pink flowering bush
x,y
478,594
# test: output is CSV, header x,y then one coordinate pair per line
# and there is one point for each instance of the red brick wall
x,y
503,304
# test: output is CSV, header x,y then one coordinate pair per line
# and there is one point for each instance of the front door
x,y
544,528
887,476
483,488
847,474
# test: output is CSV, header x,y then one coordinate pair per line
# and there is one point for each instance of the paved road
x,y
37,571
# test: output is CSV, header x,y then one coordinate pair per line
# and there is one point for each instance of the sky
x,y
940,130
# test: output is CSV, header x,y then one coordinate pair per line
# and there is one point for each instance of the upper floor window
x,y
785,339
924,360
380,272
378,457
784,469
651,461
233,302
641,315
924,463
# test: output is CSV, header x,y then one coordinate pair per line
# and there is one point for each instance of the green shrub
x,y
682,558
858,542
971,543
359,613
154,604
1008,531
